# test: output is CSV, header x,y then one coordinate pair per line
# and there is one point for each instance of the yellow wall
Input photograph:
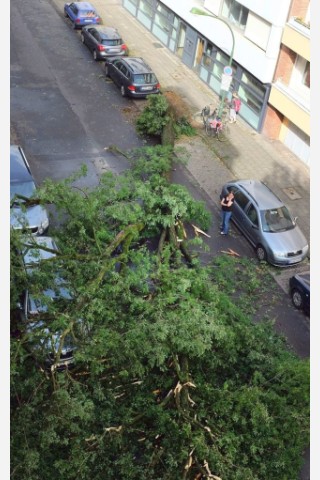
x,y
297,42
281,102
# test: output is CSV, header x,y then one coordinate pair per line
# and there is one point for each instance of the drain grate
x,y
157,45
292,193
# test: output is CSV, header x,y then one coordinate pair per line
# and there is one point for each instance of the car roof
x,y
18,169
105,32
138,65
260,192
84,6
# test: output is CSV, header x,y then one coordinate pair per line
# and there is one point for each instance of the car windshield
x,y
112,42
25,189
143,78
276,220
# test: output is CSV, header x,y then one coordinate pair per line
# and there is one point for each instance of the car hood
x,y
289,241
34,216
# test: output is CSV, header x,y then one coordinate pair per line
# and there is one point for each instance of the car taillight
x,y
98,20
100,48
158,86
123,47
77,20
132,88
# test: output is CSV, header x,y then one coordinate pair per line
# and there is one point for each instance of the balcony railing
x,y
300,25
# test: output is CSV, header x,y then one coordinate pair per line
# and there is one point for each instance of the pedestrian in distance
x,y
235,106
227,202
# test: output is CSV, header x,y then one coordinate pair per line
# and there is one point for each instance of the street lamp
x,y
198,11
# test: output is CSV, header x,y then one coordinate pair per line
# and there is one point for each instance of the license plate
x,y
111,50
146,88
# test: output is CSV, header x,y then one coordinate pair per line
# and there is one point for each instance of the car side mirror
x,y
255,226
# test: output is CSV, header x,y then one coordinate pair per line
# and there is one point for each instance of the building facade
x,y
288,112
254,33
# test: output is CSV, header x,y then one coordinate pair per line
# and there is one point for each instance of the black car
x,y
103,41
134,77
300,291
33,218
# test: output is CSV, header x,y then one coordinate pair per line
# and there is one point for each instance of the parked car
x,y
37,311
32,218
300,291
134,77
103,41
81,14
267,223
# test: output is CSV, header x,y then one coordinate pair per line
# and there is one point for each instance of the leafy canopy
x,y
171,380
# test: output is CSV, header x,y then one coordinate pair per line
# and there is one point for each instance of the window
x,y
306,75
300,78
258,30
241,199
146,7
208,55
111,42
252,214
236,13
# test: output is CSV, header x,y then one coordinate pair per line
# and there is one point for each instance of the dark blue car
x,y
300,291
81,13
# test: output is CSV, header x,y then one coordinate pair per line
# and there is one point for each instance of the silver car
x,y
22,184
103,41
267,223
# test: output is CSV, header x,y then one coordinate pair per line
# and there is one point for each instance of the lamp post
x,y
198,11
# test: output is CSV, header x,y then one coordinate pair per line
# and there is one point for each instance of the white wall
x,y
261,63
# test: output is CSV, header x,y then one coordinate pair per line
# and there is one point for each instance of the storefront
x,y
202,56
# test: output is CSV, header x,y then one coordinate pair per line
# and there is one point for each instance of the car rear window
x,y
143,78
112,42
87,13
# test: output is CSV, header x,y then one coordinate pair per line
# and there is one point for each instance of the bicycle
x,y
214,125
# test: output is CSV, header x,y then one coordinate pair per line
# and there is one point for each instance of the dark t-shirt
x,y
225,208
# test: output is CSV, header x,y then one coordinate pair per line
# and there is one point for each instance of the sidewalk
x,y
247,155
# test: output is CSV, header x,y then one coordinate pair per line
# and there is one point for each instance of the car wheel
x,y
95,55
261,254
82,38
74,26
297,299
123,91
106,69
65,14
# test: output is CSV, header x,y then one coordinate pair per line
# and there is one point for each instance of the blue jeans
x,y
225,217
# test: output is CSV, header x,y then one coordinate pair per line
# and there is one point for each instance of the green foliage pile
x,y
158,118
154,116
171,379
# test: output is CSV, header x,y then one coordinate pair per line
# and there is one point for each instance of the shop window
x,y
164,11
146,7
253,84
208,55
162,22
236,13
